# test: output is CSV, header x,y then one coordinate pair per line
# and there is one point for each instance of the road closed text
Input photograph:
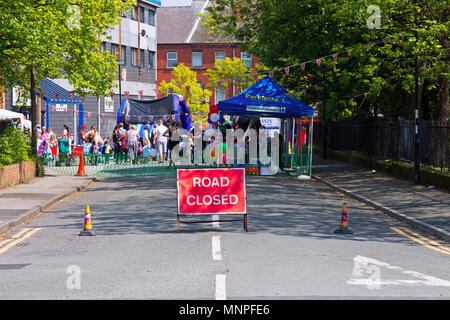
x,y
207,191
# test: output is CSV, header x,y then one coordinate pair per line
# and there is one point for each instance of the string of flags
x,y
219,83
317,61
102,115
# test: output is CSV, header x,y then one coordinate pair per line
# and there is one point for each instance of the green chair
x,y
63,156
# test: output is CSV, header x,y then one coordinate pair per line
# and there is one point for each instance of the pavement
x,y
20,203
424,208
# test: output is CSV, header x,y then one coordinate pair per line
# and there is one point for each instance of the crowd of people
x,y
127,144
47,140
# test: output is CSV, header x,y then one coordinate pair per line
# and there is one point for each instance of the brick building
x,y
183,39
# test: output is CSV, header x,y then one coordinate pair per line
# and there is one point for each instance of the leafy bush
x,y
14,146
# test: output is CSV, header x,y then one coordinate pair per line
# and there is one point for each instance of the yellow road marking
x,y
17,238
430,244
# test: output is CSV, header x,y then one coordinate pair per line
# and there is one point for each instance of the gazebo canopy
x,y
266,98
54,93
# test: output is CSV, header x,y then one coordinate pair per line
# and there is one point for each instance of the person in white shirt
x,y
146,136
161,137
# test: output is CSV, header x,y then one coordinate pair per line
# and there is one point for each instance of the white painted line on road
x,y
363,265
220,287
215,219
216,251
18,240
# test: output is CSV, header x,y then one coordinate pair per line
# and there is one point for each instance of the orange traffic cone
x,y
343,228
87,231
81,171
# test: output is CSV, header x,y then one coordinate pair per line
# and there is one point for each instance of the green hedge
x,y
14,146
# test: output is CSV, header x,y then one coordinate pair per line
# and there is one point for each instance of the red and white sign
x,y
211,191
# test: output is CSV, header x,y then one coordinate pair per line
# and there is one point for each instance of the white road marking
x,y
361,264
220,287
215,223
216,251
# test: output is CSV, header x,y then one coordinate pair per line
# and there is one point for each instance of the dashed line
x,y
430,244
220,287
17,238
216,250
217,256
215,223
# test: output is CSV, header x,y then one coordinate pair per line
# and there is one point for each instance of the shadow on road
x,y
281,206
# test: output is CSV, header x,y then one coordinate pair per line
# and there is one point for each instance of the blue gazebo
x,y
267,98
54,94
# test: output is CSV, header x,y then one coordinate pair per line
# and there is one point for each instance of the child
x,y
106,147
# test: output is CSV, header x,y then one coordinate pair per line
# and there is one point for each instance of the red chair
x,y
77,151
54,150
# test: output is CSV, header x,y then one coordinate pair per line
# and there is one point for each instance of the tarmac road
x,y
289,252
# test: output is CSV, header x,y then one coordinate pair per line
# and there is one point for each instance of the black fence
x,y
391,140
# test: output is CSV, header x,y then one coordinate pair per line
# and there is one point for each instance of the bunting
x,y
286,69
319,61
303,65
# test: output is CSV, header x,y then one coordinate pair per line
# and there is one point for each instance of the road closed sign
x,y
211,191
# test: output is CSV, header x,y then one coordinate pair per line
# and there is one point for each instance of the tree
x,y
231,72
374,71
185,83
57,39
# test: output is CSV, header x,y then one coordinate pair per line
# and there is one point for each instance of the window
x,y
247,58
196,59
220,95
172,59
142,15
114,49
220,56
151,17
142,58
151,59
133,57
103,46
132,14
124,55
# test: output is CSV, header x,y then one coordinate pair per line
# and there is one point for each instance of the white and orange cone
x,y
87,231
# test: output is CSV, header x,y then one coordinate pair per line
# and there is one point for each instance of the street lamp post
x,y
247,75
120,62
325,131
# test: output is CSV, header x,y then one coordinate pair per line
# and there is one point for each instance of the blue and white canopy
x,y
266,98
